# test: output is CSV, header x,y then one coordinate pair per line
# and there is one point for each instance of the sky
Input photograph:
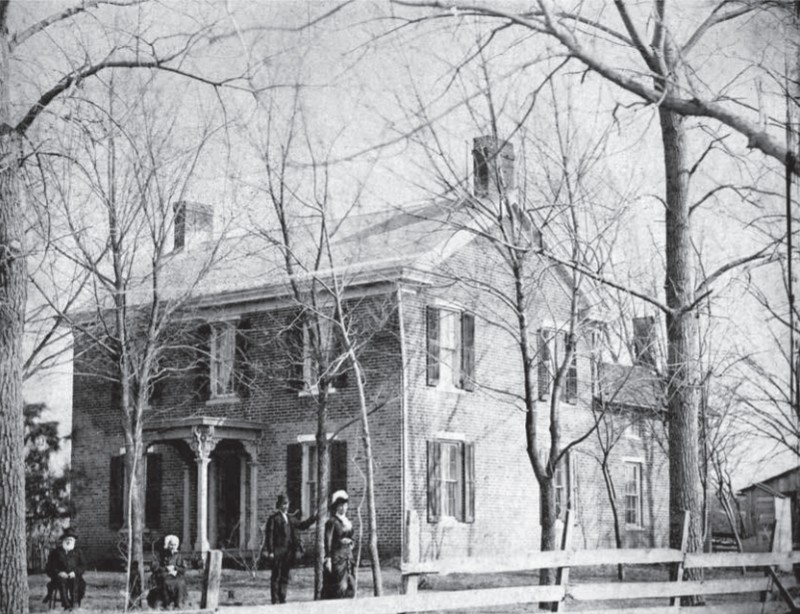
x,y
371,94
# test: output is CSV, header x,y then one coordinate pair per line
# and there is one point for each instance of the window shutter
x,y
294,475
116,494
202,366
243,370
156,390
467,351
469,482
432,354
152,497
569,383
434,480
340,377
574,493
338,452
543,370
293,337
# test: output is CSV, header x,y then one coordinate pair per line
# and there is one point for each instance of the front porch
x,y
212,468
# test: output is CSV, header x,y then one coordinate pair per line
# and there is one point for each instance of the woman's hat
x,y
69,532
338,497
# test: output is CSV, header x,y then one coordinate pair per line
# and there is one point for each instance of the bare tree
x,y
118,198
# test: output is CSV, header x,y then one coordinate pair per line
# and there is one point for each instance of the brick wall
x,y
97,431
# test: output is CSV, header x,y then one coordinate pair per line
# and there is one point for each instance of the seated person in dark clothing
x,y
168,569
65,567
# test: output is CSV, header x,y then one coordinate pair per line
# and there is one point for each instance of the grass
x,y
104,589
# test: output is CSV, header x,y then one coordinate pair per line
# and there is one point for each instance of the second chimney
x,y
194,224
493,166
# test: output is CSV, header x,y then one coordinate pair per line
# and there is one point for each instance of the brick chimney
x,y
194,224
493,166
644,341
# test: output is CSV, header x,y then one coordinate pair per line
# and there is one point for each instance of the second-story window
x,y
553,347
450,352
223,353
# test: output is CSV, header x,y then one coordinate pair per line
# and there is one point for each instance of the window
x,y
633,494
450,348
118,492
451,480
223,352
553,347
302,487
635,429
313,359
565,484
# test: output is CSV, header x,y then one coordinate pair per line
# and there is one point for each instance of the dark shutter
x,y
116,492
432,333
571,385
294,475
243,370
202,362
293,337
469,482
338,452
467,351
543,370
339,352
152,497
156,390
434,480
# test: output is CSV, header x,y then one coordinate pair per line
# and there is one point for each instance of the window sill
x,y
312,392
232,398
635,528
572,402
449,389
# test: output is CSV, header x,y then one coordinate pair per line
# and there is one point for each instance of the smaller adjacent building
x,y
770,503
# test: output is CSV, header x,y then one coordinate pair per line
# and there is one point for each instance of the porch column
x,y
186,544
242,503
203,443
255,535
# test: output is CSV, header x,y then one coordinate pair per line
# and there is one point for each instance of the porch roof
x,y
183,428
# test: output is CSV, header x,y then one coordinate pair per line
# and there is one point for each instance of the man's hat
x,y
69,532
281,500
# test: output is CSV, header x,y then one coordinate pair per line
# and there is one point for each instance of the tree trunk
x,y
612,500
322,492
682,342
372,517
134,468
13,576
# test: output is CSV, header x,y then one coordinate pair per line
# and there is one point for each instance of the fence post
x,y
212,574
562,575
411,555
675,602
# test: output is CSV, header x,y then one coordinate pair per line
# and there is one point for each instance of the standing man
x,y
282,545
65,567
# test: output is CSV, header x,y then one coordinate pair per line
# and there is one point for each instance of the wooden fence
x,y
564,593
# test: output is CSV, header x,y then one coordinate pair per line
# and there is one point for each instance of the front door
x,y
228,506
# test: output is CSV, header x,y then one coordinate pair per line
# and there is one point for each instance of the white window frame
x,y
310,366
218,361
309,472
451,475
449,354
638,469
554,347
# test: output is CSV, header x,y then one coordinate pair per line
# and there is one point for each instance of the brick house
x,y
233,425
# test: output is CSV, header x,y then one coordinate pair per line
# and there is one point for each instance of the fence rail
x,y
564,592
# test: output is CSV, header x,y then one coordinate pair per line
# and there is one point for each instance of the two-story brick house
x,y
235,426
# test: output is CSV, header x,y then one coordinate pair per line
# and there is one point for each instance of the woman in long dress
x,y
168,570
337,577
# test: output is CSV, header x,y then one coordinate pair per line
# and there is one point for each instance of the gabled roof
x,y
764,484
364,247
766,488
634,386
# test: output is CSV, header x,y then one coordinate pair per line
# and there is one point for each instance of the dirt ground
x,y
104,589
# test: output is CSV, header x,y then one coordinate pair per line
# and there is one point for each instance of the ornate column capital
x,y
251,449
203,442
